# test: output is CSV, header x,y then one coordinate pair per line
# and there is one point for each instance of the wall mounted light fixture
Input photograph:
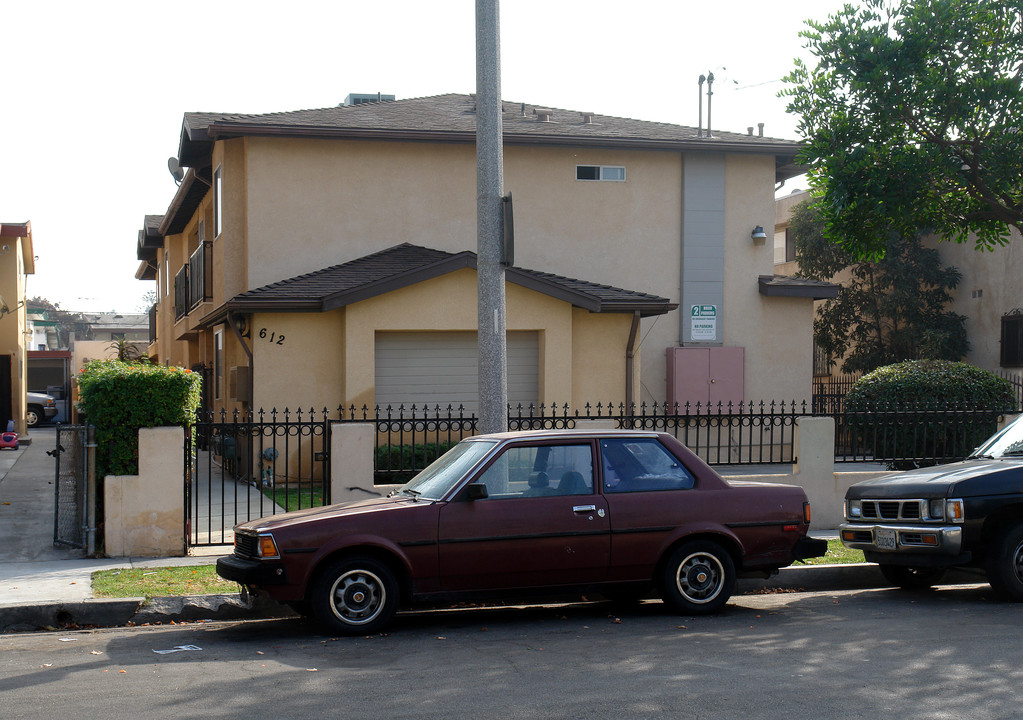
x,y
758,235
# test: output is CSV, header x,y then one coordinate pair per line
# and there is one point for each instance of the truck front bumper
x,y
906,544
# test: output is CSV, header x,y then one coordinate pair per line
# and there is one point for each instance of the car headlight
x,y
936,509
853,509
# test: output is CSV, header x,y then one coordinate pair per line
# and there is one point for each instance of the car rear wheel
x,y
34,415
355,596
698,578
1005,564
912,578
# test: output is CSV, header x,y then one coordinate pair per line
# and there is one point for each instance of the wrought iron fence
x,y
829,393
409,438
908,436
241,467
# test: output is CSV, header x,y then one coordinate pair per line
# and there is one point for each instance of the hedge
x,y
906,412
120,397
400,463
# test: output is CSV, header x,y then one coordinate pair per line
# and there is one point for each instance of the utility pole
x,y
493,374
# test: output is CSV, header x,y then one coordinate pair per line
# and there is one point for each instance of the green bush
x,y
899,411
119,397
400,463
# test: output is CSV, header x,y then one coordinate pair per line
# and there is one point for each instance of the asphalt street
x,y
951,653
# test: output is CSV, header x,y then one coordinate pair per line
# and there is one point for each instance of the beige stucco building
x,y
323,257
990,294
17,261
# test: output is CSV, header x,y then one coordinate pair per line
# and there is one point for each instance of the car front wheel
x,y
1005,564
912,578
34,415
698,578
355,596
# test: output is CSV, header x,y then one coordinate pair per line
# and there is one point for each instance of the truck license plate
x,y
884,538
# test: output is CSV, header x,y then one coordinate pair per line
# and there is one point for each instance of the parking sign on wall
x,y
703,322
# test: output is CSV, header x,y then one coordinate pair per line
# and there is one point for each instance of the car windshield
x,y
436,481
1008,441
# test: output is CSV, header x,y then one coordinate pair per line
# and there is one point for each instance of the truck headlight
x,y
955,510
936,508
853,509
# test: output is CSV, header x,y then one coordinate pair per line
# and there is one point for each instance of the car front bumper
x,y
250,572
906,544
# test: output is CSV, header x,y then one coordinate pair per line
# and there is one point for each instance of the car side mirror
x,y
477,491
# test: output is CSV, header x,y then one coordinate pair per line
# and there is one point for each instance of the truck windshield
x,y
1008,441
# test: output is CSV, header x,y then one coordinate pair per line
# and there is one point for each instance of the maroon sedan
x,y
614,512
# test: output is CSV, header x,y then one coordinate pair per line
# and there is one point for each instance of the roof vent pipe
x,y
761,126
587,118
710,99
699,96
749,131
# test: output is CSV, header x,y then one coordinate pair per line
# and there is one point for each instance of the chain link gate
x,y
71,484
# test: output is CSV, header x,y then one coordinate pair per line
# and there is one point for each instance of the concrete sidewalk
x,y
45,586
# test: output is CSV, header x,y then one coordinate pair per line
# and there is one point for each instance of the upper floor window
x,y
1012,339
607,173
218,204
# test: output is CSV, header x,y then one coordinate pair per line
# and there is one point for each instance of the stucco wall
x,y
990,288
144,514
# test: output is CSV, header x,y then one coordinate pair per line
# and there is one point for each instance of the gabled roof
x,y
452,118
406,264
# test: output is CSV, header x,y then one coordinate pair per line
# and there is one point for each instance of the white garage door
x,y
442,368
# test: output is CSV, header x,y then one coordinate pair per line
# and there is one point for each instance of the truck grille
x,y
246,545
892,509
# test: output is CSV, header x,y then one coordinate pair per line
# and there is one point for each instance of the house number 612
x,y
275,338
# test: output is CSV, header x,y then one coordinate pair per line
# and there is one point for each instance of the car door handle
x,y
583,508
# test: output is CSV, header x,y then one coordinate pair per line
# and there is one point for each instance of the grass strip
x,y
160,582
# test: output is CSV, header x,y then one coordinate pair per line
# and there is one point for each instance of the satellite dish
x,y
175,169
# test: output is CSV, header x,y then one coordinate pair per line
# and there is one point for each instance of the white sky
x,y
92,93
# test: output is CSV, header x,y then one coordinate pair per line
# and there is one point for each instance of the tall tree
x,y
912,120
887,310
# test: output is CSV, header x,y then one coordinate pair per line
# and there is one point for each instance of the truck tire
x,y
912,578
1005,563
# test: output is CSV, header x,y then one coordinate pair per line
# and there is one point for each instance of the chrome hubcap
x,y
699,578
357,597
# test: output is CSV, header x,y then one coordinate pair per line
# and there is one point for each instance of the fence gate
x,y
241,468
70,486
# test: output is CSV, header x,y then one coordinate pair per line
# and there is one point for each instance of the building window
x,y
1012,339
606,173
218,363
166,274
202,232
218,204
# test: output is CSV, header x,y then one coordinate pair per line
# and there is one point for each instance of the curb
x,y
116,612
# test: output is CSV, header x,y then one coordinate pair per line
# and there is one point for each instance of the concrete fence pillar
x,y
352,446
814,468
144,514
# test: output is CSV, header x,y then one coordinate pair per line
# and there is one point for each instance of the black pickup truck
x,y
919,523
